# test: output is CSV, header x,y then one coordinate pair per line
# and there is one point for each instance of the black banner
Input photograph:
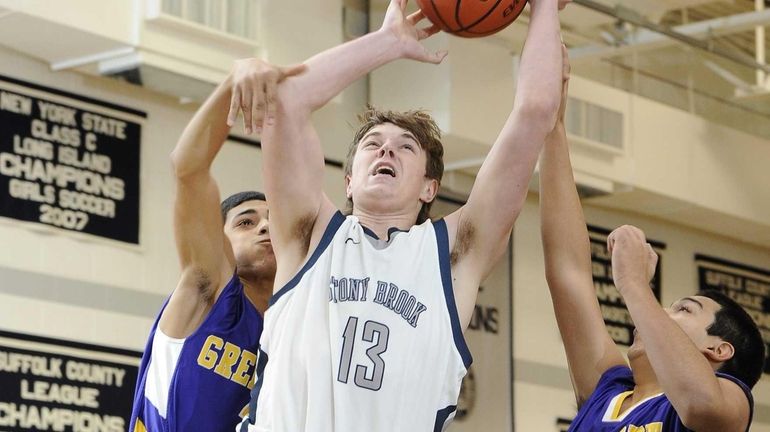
x,y
616,316
68,167
748,286
54,385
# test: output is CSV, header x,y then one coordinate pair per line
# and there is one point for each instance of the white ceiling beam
x,y
647,39
91,58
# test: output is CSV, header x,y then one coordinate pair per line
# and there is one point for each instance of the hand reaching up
x,y
254,87
408,35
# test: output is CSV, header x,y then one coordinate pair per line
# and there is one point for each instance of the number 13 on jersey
x,y
366,376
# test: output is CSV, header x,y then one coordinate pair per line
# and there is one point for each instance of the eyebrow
x,y
370,134
692,300
407,135
247,211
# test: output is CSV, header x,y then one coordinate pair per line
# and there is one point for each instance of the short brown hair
x,y
734,325
424,129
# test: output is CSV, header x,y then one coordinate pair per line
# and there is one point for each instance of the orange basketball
x,y
472,18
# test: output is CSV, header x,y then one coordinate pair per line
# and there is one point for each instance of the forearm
x,y
539,81
503,179
683,372
567,255
204,135
197,218
333,70
565,238
291,144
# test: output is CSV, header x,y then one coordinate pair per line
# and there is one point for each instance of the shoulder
x,y
725,378
743,407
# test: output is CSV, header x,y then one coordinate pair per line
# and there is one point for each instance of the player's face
x,y
693,315
388,171
247,227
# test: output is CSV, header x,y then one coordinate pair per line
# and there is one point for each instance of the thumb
x,y
435,57
290,71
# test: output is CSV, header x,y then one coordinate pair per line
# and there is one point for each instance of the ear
x,y
429,190
348,188
720,352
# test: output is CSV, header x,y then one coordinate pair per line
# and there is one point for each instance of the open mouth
x,y
385,170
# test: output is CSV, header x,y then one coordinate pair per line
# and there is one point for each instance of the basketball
x,y
472,18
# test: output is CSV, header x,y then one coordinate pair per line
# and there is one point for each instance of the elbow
x,y
551,275
177,163
539,113
181,166
292,99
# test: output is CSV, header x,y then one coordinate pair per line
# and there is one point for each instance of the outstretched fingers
x,y
290,71
415,17
247,100
235,104
434,57
427,32
258,104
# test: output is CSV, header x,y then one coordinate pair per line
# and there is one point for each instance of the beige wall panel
x,y
691,159
87,15
537,344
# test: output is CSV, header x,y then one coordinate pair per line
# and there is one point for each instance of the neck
x,y
258,290
380,223
645,381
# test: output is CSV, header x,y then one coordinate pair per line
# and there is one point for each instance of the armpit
x,y
202,283
466,234
303,230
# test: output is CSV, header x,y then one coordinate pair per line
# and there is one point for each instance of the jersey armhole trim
x,y
337,219
259,373
442,240
442,417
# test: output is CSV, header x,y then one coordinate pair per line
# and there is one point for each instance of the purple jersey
x,y
212,378
601,412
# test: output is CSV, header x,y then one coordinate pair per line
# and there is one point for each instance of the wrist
x,y
389,38
541,4
634,289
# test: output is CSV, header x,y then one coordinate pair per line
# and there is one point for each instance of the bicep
x,y
500,189
293,168
738,404
732,412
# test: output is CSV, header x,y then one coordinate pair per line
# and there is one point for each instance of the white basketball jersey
x,y
364,338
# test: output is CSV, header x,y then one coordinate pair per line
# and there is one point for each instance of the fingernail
x,y
270,120
259,130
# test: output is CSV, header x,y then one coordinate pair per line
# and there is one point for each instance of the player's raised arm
x,y
703,401
293,158
590,350
205,254
482,227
